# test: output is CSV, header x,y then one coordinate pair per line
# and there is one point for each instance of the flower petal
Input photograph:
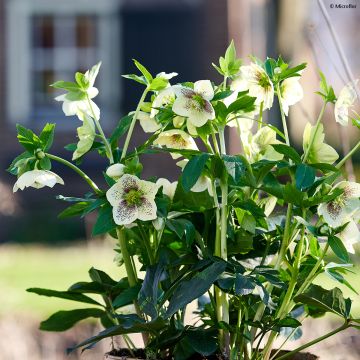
x,y
147,210
148,124
204,88
115,194
123,214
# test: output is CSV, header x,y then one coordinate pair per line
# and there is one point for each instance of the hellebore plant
x,y
243,235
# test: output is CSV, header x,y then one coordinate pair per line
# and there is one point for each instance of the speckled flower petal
x,y
204,88
115,194
149,189
123,214
147,210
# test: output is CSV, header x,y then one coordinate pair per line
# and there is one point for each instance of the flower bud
x,y
325,189
39,154
178,121
116,171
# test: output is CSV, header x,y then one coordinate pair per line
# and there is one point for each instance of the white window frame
x,y
19,52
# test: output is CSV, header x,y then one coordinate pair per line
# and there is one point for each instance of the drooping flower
x,y
116,171
255,79
75,106
37,179
168,187
163,98
166,76
258,147
202,183
343,208
86,134
148,123
319,152
176,139
345,101
350,236
195,103
132,199
291,92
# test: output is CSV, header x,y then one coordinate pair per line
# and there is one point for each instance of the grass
x,y
22,267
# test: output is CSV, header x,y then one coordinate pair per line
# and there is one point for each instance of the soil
x,y
140,354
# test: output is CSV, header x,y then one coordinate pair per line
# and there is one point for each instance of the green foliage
x,y
229,65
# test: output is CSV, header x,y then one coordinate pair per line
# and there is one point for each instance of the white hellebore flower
x,y
166,76
168,187
343,208
148,123
195,104
163,98
345,100
291,92
255,79
176,139
115,171
132,199
37,179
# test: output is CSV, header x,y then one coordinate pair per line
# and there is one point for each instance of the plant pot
x,y
298,356
124,354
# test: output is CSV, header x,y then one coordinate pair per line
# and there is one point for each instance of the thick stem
x,y
130,271
348,155
312,139
98,126
133,122
315,341
76,169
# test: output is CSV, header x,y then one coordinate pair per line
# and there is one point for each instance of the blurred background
x,y
42,41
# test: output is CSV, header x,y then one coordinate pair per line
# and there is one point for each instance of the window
x,y
50,40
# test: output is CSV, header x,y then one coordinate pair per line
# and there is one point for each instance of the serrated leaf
x,y
193,170
304,176
338,248
47,136
105,222
144,71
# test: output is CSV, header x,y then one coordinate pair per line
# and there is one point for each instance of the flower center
x,y
263,80
177,140
133,197
335,206
199,100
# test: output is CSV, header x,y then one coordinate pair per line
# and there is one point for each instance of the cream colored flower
x,y
132,199
115,171
176,139
163,98
195,104
258,147
166,76
37,179
345,101
350,236
168,187
291,92
319,152
148,123
343,208
255,79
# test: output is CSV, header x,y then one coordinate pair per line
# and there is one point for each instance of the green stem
x,y
286,237
133,122
289,293
261,115
222,140
146,242
312,139
76,169
98,126
283,118
214,140
348,155
315,341
224,83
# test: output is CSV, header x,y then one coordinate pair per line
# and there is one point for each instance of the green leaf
x,y
338,248
291,72
101,277
222,95
74,210
63,295
105,222
325,300
202,341
121,128
144,71
243,285
93,287
193,170
139,79
304,176
243,103
128,324
47,136
45,163
182,227
66,85
150,290
189,290
64,320
288,151
236,166
20,162
27,138
126,297
159,83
